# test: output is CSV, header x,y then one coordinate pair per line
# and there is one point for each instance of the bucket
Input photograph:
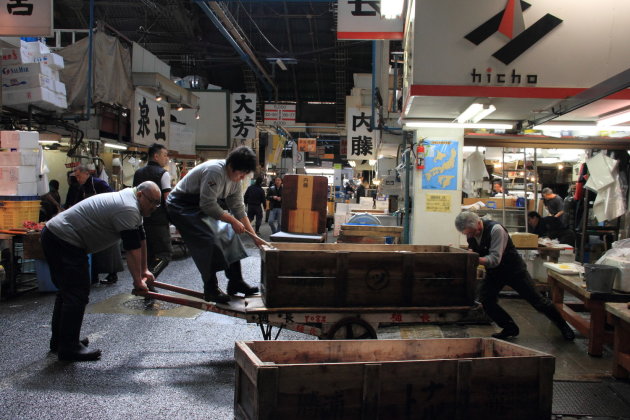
x,y
599,277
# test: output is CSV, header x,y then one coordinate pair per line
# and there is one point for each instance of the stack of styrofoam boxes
x,y
30,75
19,157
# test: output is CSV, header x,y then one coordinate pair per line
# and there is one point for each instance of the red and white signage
x,y
26,17
362,19
279,114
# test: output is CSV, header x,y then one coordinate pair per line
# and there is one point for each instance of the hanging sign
x,y
307,145
151,119
279,114
243,116
362,19
26,17
361,139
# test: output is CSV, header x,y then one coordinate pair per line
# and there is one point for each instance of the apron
x,y
213,237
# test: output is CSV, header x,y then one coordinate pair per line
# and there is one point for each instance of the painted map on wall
x,y
440,165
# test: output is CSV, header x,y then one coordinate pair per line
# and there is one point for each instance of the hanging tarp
x,y
111,72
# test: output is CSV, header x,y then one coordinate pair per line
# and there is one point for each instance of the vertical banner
x,y
440,165
298,157
151,119
363,19
361,139
26,17
243,116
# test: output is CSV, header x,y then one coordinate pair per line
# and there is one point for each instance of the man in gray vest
x,y
156,226
504,266
90,226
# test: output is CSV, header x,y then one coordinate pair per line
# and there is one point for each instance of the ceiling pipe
x,y
230,32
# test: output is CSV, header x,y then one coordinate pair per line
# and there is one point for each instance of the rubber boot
x,y
552,313
70,348
212,292
509,331
54,326
236,284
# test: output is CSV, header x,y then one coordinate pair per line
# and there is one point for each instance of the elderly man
x,y
210,231
504,266
90,226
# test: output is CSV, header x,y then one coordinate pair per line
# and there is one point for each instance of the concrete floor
x,y
174,362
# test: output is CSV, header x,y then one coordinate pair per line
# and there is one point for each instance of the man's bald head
x,y
149,196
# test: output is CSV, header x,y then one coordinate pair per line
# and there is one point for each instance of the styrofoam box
x,y
18,174
28,69
60,87
19,158
60,100
42,97
18,188
55,61
27,81
11,56
36,48
19,140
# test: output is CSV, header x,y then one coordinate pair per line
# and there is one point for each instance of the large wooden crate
x,y
468,378
359,275
304,204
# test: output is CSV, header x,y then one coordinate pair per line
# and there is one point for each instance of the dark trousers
x,y
522,283
69,272
255,211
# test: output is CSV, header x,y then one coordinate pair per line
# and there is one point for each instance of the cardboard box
x,y
524,240
19,158
19,140
349,275
18,174
447,378
28,81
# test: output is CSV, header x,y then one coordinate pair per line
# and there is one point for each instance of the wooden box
x,y
450,378
304,204
370,234
524,240
359,275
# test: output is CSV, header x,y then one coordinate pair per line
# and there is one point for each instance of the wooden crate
x,y
359,275
451,378
304,202
370,234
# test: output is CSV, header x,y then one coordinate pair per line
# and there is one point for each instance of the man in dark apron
x,y
209,231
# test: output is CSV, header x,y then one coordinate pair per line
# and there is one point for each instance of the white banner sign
x,y
362,19
151,119
279,114
243,116
26,17
362,140
182,138
298,157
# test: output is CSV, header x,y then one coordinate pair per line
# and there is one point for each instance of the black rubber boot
x,y
70,348
552,313
236,284
507,332
212,292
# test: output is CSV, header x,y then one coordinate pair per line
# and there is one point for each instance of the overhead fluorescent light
x,y
391,9
437,124
115,146
581,128
352,163
323,171
614,118
281,64
475,112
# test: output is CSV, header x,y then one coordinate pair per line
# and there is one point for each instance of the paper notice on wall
x,y
438,203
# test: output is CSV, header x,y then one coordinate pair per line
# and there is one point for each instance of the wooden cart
x,y
322,322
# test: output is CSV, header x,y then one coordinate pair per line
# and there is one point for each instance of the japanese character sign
x,y
26,17
243,116
362,19
151,119
362,140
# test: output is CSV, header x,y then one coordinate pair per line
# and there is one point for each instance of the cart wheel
x,y
351,328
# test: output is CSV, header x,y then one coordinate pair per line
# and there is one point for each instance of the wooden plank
x,y
267,389
371,392
247,359
546,369
462,398
341,285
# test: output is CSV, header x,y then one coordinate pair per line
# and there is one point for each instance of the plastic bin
x,y
599,277
44,281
